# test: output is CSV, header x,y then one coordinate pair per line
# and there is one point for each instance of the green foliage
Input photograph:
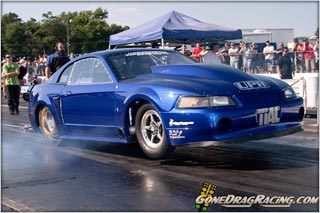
x,y
82,32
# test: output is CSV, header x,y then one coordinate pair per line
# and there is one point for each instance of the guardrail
x,y
305,85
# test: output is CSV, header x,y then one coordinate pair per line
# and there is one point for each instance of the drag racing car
x,y
160,99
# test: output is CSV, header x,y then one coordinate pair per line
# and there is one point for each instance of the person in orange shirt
x,y
298,56
309,56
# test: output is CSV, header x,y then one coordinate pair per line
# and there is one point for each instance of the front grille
x,y
260,99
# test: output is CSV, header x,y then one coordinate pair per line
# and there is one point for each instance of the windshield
x,y
130,64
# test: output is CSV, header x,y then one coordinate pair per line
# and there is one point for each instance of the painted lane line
x,y
19,207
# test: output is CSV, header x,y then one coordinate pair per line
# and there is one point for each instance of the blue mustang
x,y
160,99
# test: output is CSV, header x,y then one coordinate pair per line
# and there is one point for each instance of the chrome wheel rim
x,y
49,121
152,129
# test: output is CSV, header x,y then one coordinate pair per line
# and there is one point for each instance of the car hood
x,y
208,80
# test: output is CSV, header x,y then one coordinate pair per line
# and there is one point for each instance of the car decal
x,y
247,85
176,134
269,115
180,123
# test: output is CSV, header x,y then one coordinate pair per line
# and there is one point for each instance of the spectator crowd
x,y
243,55
248,57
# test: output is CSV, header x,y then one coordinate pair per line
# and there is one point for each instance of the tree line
x,y
81,32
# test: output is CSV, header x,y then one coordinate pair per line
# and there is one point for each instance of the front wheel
x,y
150,132
48,126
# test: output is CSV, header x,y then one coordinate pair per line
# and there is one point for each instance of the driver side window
x,y
65,75
100,73
82,72
86,71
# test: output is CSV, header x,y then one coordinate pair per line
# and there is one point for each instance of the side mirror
x,y
34,82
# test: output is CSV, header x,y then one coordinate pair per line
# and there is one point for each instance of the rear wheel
x,y
150,132
48,126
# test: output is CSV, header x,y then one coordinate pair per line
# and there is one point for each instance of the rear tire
x,y
48,126
150,133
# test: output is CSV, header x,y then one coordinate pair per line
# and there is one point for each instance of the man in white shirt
x,y
234,56
212,56
268,51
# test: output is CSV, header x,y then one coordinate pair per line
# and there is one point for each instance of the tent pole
x,y
162,43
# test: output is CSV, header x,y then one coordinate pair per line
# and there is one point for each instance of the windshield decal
x,y
147,53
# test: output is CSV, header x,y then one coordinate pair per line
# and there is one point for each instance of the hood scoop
x,y
207,71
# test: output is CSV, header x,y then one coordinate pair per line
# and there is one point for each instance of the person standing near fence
x,y
234,56
248,55
212,56
298,56
268,51
203,52
184,50
285,66
278,52
245,53
22,70
196,52
41,65
10,72
309,56
255,58
225,58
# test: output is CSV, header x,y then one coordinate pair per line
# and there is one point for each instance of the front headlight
x,y
289,93
204,102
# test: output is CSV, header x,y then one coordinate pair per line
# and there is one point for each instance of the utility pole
x,y
68,36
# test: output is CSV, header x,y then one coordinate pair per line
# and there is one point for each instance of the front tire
x,y
150,132
48,126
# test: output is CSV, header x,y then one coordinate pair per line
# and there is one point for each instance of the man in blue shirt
x,y
56,60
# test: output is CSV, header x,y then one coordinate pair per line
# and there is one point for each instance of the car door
x,y
87,100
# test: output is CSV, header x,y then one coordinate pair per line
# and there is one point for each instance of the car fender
x,y
151,96
52,101
159,101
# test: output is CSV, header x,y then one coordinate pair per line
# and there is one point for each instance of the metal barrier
x,y
261,67
300,87
305,85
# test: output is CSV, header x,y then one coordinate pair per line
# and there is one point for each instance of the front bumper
x,y
209,126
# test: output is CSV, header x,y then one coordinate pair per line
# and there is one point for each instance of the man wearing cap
x,y
268,52
10,72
